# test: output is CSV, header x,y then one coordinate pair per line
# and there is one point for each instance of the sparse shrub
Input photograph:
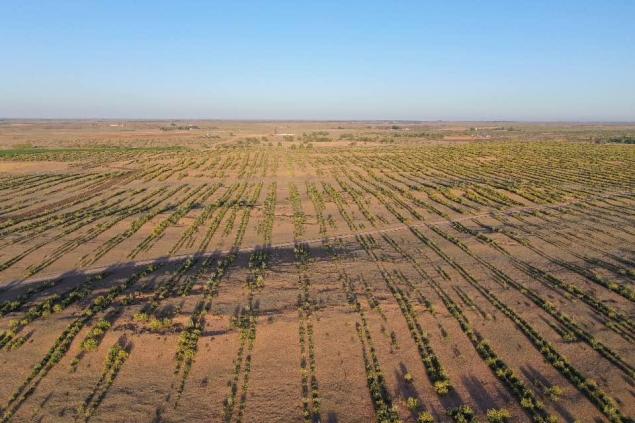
x,y
412,403
527,403
498,415
90,344
555,392
462,414
442,387
157,325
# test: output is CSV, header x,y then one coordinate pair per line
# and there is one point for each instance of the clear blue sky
x,y
425,60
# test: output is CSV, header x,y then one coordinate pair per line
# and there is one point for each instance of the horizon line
x,y
415,121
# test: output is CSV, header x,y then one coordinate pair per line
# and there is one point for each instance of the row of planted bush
x,y
64,341
565,320
599,398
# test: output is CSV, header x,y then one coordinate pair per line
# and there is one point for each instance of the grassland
x,y
316,271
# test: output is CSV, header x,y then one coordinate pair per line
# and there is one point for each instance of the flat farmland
x,y
316,272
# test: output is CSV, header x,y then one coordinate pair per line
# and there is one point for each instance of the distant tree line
x,y
621,139
174,127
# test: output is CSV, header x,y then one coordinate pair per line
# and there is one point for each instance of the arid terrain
x,y
227,271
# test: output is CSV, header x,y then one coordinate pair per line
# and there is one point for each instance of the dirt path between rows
x,y
176,258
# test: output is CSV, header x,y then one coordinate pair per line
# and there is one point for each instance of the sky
x,y
345,60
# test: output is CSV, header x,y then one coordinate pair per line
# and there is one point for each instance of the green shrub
x,y
412,403
555,392
442,387
425,417
498,415
462,414
90,344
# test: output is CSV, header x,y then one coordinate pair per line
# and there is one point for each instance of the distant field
x,y
316,271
